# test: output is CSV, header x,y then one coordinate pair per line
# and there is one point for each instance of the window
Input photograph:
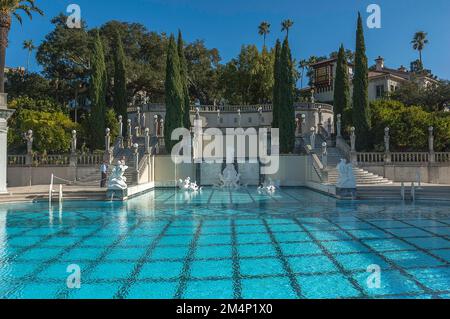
x,y
379,91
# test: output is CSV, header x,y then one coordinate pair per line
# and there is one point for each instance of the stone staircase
x,y
388,192
334,156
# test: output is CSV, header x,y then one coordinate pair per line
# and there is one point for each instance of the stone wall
x,y
25,176
429,173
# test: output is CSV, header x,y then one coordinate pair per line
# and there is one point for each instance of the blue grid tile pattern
x,y
222,244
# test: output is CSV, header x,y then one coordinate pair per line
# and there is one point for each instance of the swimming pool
x,y
220,244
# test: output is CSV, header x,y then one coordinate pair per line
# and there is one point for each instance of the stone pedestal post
x,y
353,157
130,134
120,137
339,125
4,115
147,140
432,157
324,155
28,137
73,149
387,151
108,155
136,155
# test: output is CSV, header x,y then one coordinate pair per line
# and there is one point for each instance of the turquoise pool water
x,y
219,244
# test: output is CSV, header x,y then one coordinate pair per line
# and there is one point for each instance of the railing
x,y
442,157
160,107
370,157
54,160
318,167
16,160
42,160
90,159
401,157
407,157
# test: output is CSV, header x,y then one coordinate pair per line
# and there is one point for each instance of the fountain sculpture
x,y
116,180
187,185
229,177
267,187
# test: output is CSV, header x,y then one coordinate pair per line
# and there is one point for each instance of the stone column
x,y
239,117
339,125
387,151
324,155
147,140
432,158
136,155
353,157
143,122
303,126
319,114
130,134
155,122
73,149
28,136
312,138
108,156
162,127
4,115
120,137
260,111
138,120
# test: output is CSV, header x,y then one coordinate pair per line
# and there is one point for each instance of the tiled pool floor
x,y
220,244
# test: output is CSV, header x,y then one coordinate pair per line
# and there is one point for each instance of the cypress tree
x,y
342,99
98,84
120,85
184,80
174,94
286,106
276,86
361,111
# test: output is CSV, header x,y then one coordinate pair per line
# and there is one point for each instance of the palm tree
x,y
28,45
302,65
264,30
8,9
286,25
419,41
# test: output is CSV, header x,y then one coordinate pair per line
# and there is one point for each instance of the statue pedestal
x,y
346,193
4,115
117,194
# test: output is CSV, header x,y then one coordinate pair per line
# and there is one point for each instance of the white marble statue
x,y
229,177
116,180
267,187
187,185
346,177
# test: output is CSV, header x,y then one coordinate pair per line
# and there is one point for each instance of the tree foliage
x,y
342,99
408,126
51,126
174,94
276,85
120,86
184,82
361,110
286,106
97,87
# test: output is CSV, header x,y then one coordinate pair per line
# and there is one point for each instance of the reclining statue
x,y
116,180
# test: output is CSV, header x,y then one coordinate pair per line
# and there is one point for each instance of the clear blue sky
x,y
320,25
